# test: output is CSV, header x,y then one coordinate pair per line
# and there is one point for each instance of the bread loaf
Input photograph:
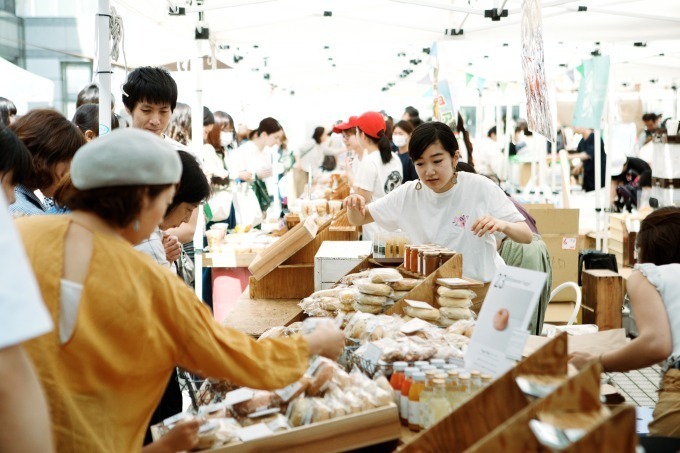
x,y
375,309
374,289
456,293
428,314
405,284
456,313
453,302
384,275
366,299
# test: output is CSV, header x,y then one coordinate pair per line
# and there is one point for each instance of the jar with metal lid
x,y
407,256
445,255
414,259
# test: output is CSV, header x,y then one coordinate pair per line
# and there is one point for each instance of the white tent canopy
x,y
25,89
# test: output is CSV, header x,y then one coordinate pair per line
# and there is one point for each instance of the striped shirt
x,y
27,203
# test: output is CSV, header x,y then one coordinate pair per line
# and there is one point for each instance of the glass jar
x,y
445,255
414,401
430,262
407,256
414,259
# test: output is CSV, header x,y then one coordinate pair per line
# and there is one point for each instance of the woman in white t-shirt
x,y
458,211
654,291
381,170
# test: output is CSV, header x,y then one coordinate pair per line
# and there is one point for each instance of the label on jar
x,y
403,407
397,398
413,413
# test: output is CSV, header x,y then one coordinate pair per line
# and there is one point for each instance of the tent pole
x,y
196,146
598,189
104,66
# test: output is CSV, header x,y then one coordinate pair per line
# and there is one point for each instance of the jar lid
x,y
419,376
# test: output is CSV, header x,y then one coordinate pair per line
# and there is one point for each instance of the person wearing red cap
x,y
461,211
381,170
354,150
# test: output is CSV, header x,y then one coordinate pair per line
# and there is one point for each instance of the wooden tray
x,y
341,434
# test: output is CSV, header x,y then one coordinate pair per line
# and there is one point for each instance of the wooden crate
x,y
285,270
341,434
611,431
602,298
493,406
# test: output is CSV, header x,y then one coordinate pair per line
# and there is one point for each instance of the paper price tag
x,y
418,304
414,325
238,396
211,408
263,412
287,392
176,418
254,432
568,243
373,353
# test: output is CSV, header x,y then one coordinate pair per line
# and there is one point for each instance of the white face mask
x,y
226,138
399,140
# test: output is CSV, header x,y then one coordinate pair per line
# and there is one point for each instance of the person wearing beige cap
x,y
122,323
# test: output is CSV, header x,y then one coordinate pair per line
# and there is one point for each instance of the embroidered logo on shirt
x,y
461,220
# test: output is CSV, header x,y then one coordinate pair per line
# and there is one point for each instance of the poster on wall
x,y
538,107
592,93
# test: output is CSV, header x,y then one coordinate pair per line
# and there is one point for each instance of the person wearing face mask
x,y
400,137
460,211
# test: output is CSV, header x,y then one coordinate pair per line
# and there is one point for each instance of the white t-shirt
x,y
445,219
379,179
665,278
251,159
23,314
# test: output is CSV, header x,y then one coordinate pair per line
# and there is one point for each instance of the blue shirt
x,y
27,203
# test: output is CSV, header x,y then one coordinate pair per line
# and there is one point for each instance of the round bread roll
x,y
405,284
375,309
445,322
384,275
428,314
374,289
456,313
366,299
456,293
453,302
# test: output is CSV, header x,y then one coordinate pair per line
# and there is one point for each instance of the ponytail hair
x,y
384,145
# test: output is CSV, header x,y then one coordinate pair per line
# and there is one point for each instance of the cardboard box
x,y
558,313
559,230
336,258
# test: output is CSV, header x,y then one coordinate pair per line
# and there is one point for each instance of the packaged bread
x,y
320,410
322,377
456,293
329,303
428,314
350,278
374,309
295,389
349,295
462,327
273,332
261,400
207,435
367,299
376,289
357,326
443,321
332,292
300,412
456,313
453,302
405,284
385,275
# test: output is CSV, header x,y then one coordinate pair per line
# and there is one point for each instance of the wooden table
x,y
254,316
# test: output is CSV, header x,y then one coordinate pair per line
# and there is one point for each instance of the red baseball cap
x,y
350,123
371,123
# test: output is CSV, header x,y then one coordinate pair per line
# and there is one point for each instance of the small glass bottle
x,y
405,388
397,379
414,401
463,389
439,363
421,363
424,397
452,387
486,380
475,381
438,404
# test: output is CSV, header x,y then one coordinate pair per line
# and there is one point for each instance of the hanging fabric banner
x,y
468,77
592,93
538,106
445,106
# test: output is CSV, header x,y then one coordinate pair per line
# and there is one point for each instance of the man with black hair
x,y
411,114
586,152
150,97
651,121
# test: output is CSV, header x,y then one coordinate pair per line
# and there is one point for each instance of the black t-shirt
x,y
408,168
634,164
588,146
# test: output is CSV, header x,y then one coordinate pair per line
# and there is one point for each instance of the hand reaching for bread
x,y
355,202
326,340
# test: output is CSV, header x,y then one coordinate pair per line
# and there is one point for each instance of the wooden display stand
x,y
576,403
602,298
285,270
341,434
491,407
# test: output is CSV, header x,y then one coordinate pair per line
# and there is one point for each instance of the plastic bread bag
x,y
273,332
356,327
384,275
261,400
453,302
226,431
322,377
457,313
337,406
320,410
462,327
350,278
427,314
300,412
372,309
406,284
374,289
332,292
456,293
